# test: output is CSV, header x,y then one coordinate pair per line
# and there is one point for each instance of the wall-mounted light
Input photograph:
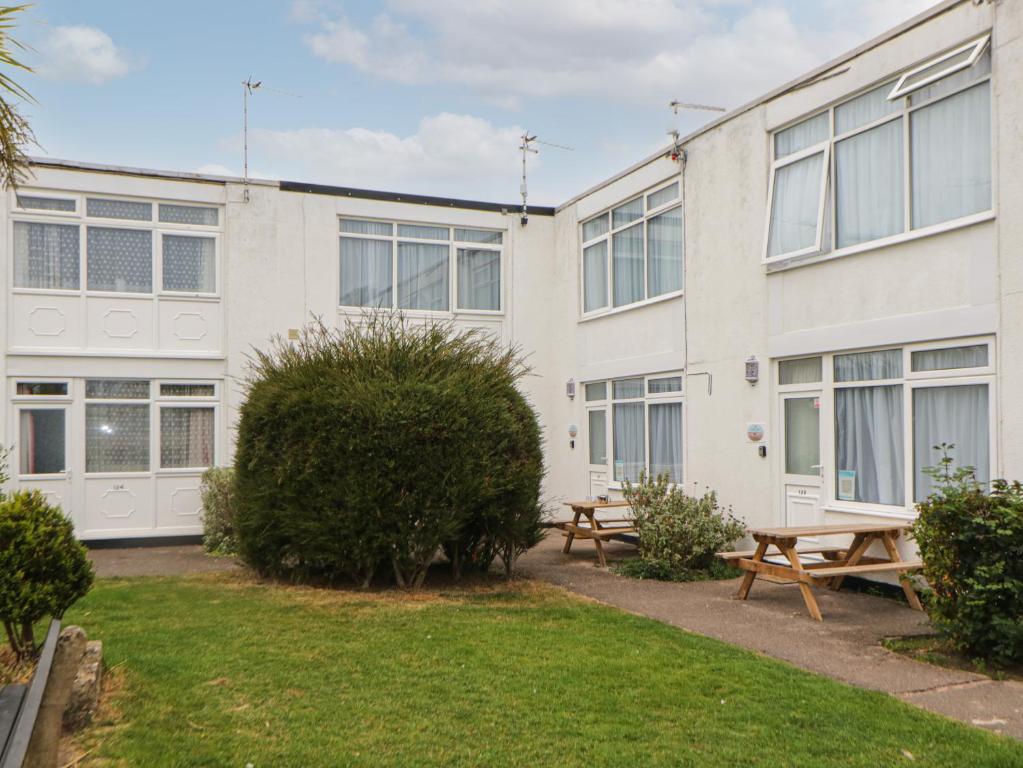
x,y
752,369
570,389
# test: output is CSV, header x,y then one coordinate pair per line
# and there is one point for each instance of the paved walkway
x,y
157,561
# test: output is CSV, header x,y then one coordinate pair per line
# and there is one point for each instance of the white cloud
x,y
82,54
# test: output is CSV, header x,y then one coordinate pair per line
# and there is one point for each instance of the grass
x,y
934,649
223,671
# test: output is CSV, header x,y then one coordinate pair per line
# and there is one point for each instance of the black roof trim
x,y
398,197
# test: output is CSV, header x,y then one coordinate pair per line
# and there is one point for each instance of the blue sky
x,y
423,96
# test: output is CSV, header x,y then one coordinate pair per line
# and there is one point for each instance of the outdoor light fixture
x,y
752,369
570,389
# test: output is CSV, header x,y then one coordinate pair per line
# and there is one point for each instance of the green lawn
x,y
219,670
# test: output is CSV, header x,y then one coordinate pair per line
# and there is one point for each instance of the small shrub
x,y
660,570
679,535
217,491
44,569
971,543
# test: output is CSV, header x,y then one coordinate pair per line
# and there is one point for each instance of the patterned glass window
x,y
117,389
187,390
46,256
35,203
202,215
116,437
189,264
119,260
118,209
186,437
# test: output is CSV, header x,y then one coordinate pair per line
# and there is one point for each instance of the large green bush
x,y
218,513
679,535
44,569
379,446
971,543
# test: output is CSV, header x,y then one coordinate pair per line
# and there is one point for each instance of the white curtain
x,y
802,135
628,434
869,366
806,370
795,206
871,106
802,436
627,266
46,256
973,356
595,276
664,253
365,273
951,157
666,440
868,442
954,415
479,279
423,276
868,184
189,264
597,436
186,437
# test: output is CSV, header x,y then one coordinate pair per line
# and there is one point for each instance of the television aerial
x,y
526,147
677,151
250,86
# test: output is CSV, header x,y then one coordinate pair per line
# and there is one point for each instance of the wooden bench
x,y
855,570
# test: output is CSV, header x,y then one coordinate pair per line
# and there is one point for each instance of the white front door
x,y
41,452
801,458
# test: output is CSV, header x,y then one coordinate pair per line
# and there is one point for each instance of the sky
x,y
416,96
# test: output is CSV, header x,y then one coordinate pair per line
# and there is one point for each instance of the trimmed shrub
x,y
971,543
217,489
44,569
380,445
679,535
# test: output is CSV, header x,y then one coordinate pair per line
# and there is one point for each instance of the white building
x,y
841,235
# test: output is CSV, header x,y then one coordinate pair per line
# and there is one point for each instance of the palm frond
x,y
15,132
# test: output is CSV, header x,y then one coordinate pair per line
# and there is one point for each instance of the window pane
x,y
974,356
41,441
939,88
625,389
595,227
119,260
871,106
187,390
186,437
479,279
46,203
954,415
478,236
795,206
627,266
662,196
362,227
117,389
869,185
950,144
666,384
189,214
116,438
46,256
666,440
42,388
868,445
422,232
869,366
118,209
806,370
365,273
189,264
802,436
802,135
598,437
628,213
595,277
422,276
596,391
939,66
664,252
629,437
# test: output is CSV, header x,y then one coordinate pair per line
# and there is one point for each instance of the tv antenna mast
x,y
526,147
248,88
677,151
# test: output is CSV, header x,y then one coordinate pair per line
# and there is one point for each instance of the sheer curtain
x,y
955,415
479,279
119,260
189,264
795,205
629,437
595,277
951,157
871,106
806,370
365,273
46,256
666,440
868,184
869,366
664,253
868,442
627,266
973,356
802,135
423,276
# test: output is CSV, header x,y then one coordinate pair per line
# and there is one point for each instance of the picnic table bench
x,y
835,565
599,531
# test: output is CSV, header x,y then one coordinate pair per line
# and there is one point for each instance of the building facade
x,y
793,311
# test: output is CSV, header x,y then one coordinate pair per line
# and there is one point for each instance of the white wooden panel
x,y
193,326
45,321
178,504
118,505
119,323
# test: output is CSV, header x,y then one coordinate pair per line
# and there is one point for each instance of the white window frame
x,y
158,266
48,195
181,402
608,237
154,441
978,46
824,148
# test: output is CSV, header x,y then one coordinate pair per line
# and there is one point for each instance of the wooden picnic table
x,y
837,563
598,530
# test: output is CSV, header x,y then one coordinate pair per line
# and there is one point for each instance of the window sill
x,y
890,513
792,262
629,307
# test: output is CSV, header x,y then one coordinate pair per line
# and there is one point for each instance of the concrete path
x,y
157,561
846,646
